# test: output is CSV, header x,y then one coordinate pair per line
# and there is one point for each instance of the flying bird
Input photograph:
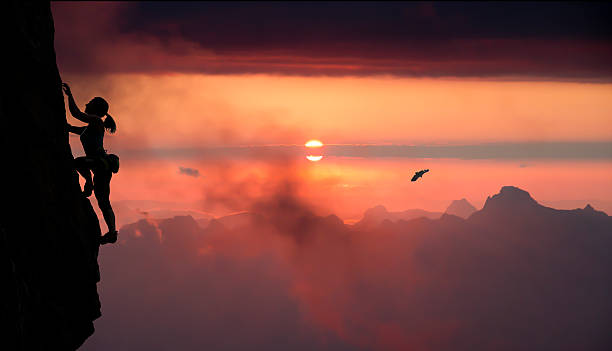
x,y
419,174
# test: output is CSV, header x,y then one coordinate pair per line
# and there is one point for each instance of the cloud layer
x,y
515,275
569,41
500,151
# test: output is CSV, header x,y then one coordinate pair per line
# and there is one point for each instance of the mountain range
x,y
513,275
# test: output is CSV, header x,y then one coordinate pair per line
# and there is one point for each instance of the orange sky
x,y
158,111
188,110
347,186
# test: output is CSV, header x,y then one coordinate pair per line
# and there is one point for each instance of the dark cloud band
x,y
502,151
568,41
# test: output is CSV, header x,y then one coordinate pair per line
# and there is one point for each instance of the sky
x,y
216,97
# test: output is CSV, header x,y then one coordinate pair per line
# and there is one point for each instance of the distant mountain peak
x,y
510,197
509,189
591,211
377,209
377,214
460,208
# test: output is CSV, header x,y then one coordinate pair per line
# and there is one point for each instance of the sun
x,y
313,143
314,158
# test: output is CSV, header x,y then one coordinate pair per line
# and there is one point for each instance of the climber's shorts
x,y
101,177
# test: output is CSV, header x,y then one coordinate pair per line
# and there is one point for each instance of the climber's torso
x,y
92,138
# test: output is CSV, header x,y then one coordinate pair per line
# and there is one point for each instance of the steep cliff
x,y
48,231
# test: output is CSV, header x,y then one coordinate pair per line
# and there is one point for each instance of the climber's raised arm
x,y
74,109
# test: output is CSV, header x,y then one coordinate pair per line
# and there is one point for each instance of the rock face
x,y
48,231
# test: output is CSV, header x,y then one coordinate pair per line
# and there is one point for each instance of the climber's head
x,y
97,106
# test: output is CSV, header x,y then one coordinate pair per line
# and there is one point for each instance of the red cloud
x,y
90,39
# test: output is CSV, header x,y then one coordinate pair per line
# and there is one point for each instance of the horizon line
x,y
577,150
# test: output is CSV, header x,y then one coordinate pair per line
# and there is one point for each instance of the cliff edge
x,y
48,230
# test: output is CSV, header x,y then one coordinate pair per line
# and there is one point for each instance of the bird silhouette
x,y
419,174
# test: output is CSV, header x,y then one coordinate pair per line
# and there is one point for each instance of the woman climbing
x,y
96,159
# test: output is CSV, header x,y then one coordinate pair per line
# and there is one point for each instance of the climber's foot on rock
x,y
87,189
109,238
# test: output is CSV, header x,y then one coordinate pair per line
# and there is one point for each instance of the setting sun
x,y
314,158
314,143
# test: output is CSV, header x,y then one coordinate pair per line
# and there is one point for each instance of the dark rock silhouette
x,y
418,175
460,208
48,230
510,198
590,211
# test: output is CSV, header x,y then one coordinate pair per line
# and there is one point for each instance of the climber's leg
x,y
83,166
102,180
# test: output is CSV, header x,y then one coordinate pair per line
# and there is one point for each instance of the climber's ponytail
x,y
109,124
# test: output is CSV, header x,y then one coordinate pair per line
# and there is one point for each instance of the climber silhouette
x,y
96,159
